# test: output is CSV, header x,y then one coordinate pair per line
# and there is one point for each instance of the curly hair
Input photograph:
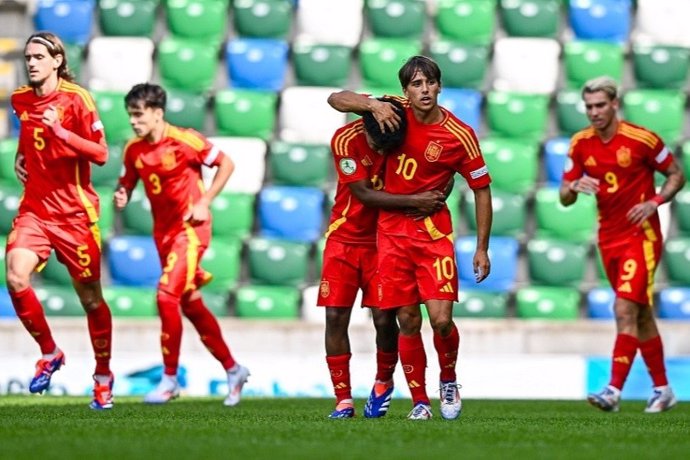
x,y
389,139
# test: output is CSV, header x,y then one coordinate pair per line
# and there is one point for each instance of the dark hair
x,y
389,139
55,47
422,64
150,95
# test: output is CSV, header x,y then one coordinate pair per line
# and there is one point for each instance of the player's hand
x,y
585,184
198,214
52,119
20,168
641,212
481,265
120,198
385,114
426,204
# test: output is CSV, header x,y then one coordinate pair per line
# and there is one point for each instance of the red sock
x,y
30,312
385,365
101,330
209,330
447,350
413,360
624,352
652,351
339,365
171,331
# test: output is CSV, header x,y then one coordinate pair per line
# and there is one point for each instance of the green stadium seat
x,y
576,223
321,64
681,209
570,112
203,20
381,58
659,66
481,304
59,301
530,18
548,302
268,302
111,108
462,65
662,111
555,262
685,158
519,115
108,174
300,164
584,60
676,258
396,18
223,259
233,214
106,219
510,213
262,18
318,256
454,204
75,57
468,21
513,163
187,64
127,18
136,217
10,195
186,109
277,262
3,243
8,153
133,302
55,273
245,113
217,301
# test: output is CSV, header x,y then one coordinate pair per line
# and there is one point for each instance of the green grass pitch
x,y
54,427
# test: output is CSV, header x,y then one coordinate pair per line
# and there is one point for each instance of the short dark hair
x,y
149,94
389,139
423,64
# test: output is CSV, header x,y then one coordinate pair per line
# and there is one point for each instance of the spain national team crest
x,y
168,160
433,151
324,289
60,113
624,157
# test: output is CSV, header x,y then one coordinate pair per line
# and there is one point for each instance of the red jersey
x,y
58,188
625,168
351,221
429,158
171,172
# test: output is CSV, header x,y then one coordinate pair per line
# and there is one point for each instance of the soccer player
x,y
615,161
350,257
416,256
168,160
60,136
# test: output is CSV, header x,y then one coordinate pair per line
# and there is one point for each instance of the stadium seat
x,y
555,154
257,63
526,65
186,109
570,112
554,262
662,22
136,217
473,303
118,63
685,158
10,196
503,252
336,22
75,58
249,156
131,302
71,20
320,64
106,218
305,117
531,18
203,20
509,213
381,58
217,301
277,262
300,164
662,111
681,210
111,108
187,64
127,18
520,115
607,20
318,256
8,78
462,65
453,202
676,258
56,273
674,304
396,18
467,21
8,152
133,261
584,60
4,122
269,302
245,113
59,301
223,259
513,163
233,214
3,243
600,303
660,66
6,308
576,223
262,18
548,302
465,103
108,174
292,213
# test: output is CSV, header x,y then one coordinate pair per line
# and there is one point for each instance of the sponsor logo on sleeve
x,y
477,173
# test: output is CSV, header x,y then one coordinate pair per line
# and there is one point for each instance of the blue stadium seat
x,y
71,20
600,303
6,307
607,20
503,251
133,261
555,153
674,303
465,103
291,213
257,63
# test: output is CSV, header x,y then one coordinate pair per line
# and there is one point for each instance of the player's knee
x,y
442,324
16,282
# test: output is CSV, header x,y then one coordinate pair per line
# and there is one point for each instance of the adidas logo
x,y
590,161
413,384
24,116
448,288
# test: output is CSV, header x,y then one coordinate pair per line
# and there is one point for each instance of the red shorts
x,y
414,271
348,267
180,255
77,246
630,268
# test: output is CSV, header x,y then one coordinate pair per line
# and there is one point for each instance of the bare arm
x,y
383,112
570,189
484,216
200,211
425,203
121,197
675,180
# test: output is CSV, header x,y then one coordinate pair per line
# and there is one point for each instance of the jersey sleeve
x,y
573,168
88,123
129,176
472,165
347,159
660,157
